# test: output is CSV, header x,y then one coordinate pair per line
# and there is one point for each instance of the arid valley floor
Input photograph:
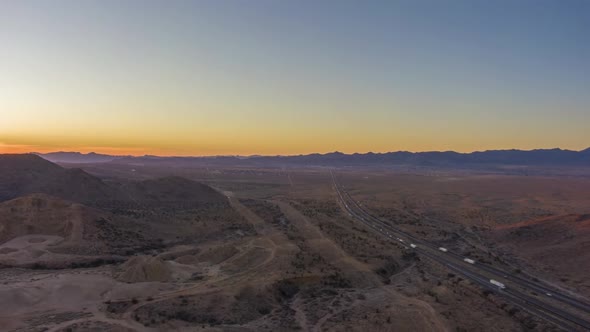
x,y
117,247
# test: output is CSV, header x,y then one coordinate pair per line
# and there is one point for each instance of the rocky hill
x,y
23,174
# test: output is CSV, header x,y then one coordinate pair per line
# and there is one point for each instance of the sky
x,y
291,77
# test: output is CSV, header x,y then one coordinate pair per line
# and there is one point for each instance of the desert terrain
x,y
120,247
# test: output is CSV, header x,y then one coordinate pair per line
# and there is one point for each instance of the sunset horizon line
x,y
283,155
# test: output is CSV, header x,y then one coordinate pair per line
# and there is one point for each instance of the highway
x,y
550,304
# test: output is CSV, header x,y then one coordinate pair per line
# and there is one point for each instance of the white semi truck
x,y
497,283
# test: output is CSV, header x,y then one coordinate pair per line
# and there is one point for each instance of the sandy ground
x,y
28,248
214,285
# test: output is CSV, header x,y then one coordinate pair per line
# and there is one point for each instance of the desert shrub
x,y
286,289
336,280
386,270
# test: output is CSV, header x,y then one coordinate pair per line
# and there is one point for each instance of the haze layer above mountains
x,y
540,157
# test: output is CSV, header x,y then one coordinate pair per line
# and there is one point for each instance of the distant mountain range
x,y
76,157
540,157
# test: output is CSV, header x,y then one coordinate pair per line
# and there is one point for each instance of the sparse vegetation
x,y
301,263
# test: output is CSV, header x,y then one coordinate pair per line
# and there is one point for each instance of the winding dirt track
x,y
274,243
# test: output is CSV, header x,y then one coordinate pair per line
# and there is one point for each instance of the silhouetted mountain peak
x,y
554,157
77,157
27,174
15,162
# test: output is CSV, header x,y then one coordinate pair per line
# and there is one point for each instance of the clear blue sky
x,y
268,77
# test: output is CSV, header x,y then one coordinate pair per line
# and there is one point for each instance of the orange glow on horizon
x,y
206,78
20,149
163,152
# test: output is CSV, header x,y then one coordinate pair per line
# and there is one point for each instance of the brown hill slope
x,y
82,230
27,174
560,244
43,214
551,230
172,191
145,268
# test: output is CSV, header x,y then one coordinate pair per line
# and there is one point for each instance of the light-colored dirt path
x,y
211,285
318,326
300,316
131,325
259,224
333,253
325,247
268,240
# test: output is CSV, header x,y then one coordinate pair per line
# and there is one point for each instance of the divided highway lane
x,y
465,266
532,285
536,286
513,296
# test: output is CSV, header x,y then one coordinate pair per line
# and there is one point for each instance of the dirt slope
x,y
172,191
145,268
556,244
44,214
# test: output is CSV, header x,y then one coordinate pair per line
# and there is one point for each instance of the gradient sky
x,y
287,77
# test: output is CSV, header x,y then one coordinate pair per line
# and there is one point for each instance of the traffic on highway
x,y
564,310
